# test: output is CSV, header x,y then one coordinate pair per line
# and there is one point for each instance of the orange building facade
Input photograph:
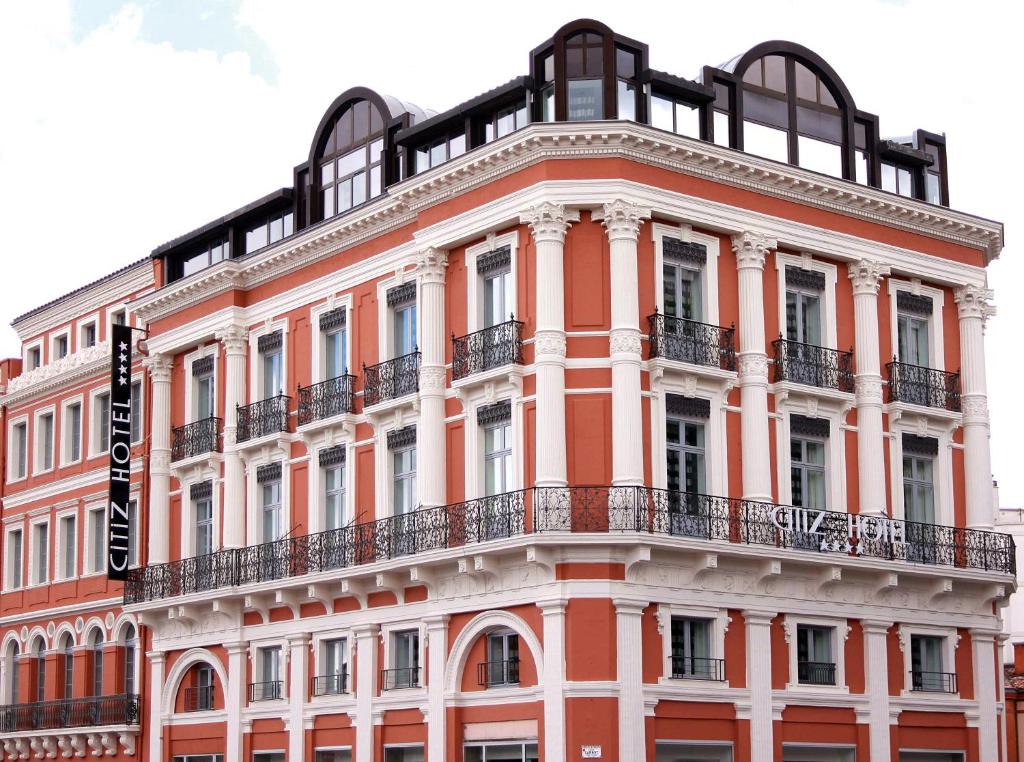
x,y
610,415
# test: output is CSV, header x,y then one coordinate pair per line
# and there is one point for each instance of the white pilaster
x,y
298,670
236,343
622,221
156,726
629,663
430,435
984,653
234,700
366,670
750,249
876,667
974,308
159,367
437,652
553,613
549,223
866,276
759,676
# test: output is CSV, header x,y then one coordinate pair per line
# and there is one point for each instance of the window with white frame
x,y
913,320
268,756
96,659
33,357
13,673
271,358
686,463
201,495
804,305
87,336
40,553
270,685
39,656
67,540
333,755
692,649
61,346
495,272
119,317
692,751
402,444
44,442
130,648
203,389
71,430
405,661
268,481
334,343
198,758
495,422
68,666
919,456
203,684
807,461
928,668
501,751
333,677
808,752
502,659
14,558
332,466
402,306
97,539
136,423
683,265
18,468
411,753
100,424
815,654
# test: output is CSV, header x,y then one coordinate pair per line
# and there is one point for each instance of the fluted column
x,y
430,476
159,367
298,682
366,669
437,653
974,308
236,343
984,646
156,689
553,680
876,667
234,701
759,675
622,221
750,249
629,654
866,276
549,223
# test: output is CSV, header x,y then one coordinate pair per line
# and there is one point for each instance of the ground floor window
x,y
502,751
268,756
931,756
692,751
403,754
333,755
199,758
814,753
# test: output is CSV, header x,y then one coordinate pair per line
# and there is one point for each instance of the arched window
x,y
96,649
131,646
39,657
68,681
11,659
350,163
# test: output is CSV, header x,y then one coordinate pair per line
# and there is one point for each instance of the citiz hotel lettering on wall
x,y
118,530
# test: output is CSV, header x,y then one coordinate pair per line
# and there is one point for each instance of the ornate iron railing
x,y
401,677
267,416
199,698
577,509
326,399
816,673
689,341
812,365
698,668
923,386
195,438
268,690
89,711
492,347
331,685
933,682
391,379
491,673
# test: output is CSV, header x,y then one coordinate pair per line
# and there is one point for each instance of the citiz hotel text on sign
x,y
118,530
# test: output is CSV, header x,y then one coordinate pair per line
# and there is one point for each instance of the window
x,y
44,442
897,179
96,650
351,163
199,758
131,646
502,666
334,495
89,335
497,287
403,754
584,71
803,306
270,686
685,458
334,669
498,456
60,347
691,650
202,508
405,660
210,254
39,649
271,363
13,682
807,472
14,559
682,277
815,662
404,473
136,412
927,664
119,317
19,451
699,751
439,151
333,755
40,553
673,115
404,327
547,92
505,121
97,539
68,664
204,688
73,433
270,503
503,751
203,388
273,230
33,358
335,343
68,546
918,489
101,423
626,87
912,338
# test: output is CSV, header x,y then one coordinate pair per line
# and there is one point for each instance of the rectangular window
x,y
404,754
333,755
136,431
927,666
675,116
60,346
803,315
912,339
404,329
73,433
119,317
270,492
89,335
405,659
505,121
497,289
203,511
334,496
501,751
271,231
97,539
270,671
404,467
68,546
273,381
502,659
682,290
815,660
44,434
686,456
19,450
34,358
199,758
897,179
101,423
335,352
204,688
203,389
918,489
807,472
498,458
14,559
41,553
334,669
691,649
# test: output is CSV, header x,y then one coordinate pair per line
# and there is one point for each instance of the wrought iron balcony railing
x,y
400,677
331,685
326,399
816,673
492,673
599,510
89,711
923,386
199,698
692,342
933,682
267,416
196,438
391,379
492,347
812,365
698,668
268,690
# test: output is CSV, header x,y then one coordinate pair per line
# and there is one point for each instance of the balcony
x,y
399,678
90,711
490,674
331,685
597,510
816,673
199,698
490,348
268,690
811,365
918,385
933,682
391,379
325,399
698,668
259,419
691,342
197,438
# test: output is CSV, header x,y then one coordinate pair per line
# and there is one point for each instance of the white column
x,y
629,662
156,689
984,652
759,678
866,276
876,667
751,249
549,223
366,671
430,436
974,308
298,670
622,220
553,681
158,516
234,700
437,653
235,341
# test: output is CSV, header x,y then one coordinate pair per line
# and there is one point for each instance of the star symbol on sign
x,y
122,346
124,358
122,381
847,547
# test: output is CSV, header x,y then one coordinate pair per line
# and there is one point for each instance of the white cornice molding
x,y
57,373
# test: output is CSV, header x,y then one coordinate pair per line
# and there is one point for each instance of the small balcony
x,y
391,379
326,399
698,668
812,365
490,348
917,385
196,438
691,342
269,690
89,711
491,674
331,685
399,678
199,698
259,419
933,682
816,673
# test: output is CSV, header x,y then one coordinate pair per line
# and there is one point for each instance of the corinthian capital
x,y
431,264
234,338
866,275
622,219
549,222
751,247
974,302
159,367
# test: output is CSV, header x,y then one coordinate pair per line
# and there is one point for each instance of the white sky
x,y
123,125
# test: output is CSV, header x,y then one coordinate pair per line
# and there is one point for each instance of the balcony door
x,y
498,307
919,507
204,389
404,329
686,476
691,648
502,658
912,338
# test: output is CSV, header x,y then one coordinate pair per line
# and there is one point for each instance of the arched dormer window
x,y
350,161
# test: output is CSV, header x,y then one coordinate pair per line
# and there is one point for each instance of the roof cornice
x,y
48,377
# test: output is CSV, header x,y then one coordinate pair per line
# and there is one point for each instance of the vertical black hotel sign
x,y
120,450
